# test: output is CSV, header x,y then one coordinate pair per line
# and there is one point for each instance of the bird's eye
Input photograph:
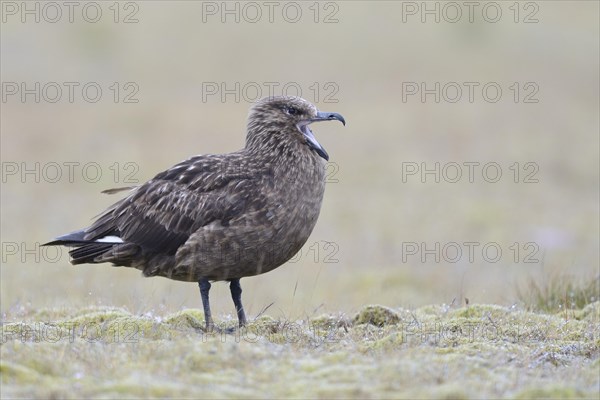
x,y
290,110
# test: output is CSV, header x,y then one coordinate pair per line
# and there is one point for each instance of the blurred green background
x,y
364,58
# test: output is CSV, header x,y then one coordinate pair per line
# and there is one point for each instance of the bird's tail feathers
x,y
86,250
70,239
89,253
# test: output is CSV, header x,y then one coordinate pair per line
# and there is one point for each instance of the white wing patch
x,y
110,239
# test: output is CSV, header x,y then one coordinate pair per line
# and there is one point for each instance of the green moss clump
x,y
591,312
377,315
186,320
19,373
553,393
492,312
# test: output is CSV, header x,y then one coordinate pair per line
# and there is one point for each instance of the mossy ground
x,y
478,351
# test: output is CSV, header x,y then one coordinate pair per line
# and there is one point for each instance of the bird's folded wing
x,y
163,213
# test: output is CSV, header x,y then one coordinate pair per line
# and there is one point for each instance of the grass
x,y
434,351
559,292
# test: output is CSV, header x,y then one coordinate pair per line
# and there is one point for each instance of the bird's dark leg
x,y
204,289
236,295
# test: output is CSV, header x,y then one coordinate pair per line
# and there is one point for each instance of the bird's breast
x,y
269,230
297,201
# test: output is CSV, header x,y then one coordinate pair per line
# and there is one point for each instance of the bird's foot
x,y
224,328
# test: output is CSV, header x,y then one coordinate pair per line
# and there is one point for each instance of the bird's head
x,y
277,120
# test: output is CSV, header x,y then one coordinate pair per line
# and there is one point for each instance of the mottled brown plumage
x,y
220,217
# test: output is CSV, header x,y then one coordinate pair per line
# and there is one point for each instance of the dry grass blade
x,y
558,292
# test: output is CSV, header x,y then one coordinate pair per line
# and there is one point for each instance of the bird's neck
x,y
276,146
289,158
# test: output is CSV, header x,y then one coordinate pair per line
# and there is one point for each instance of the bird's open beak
x,y
310,137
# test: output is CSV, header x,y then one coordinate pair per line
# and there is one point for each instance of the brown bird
x,y
220,217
